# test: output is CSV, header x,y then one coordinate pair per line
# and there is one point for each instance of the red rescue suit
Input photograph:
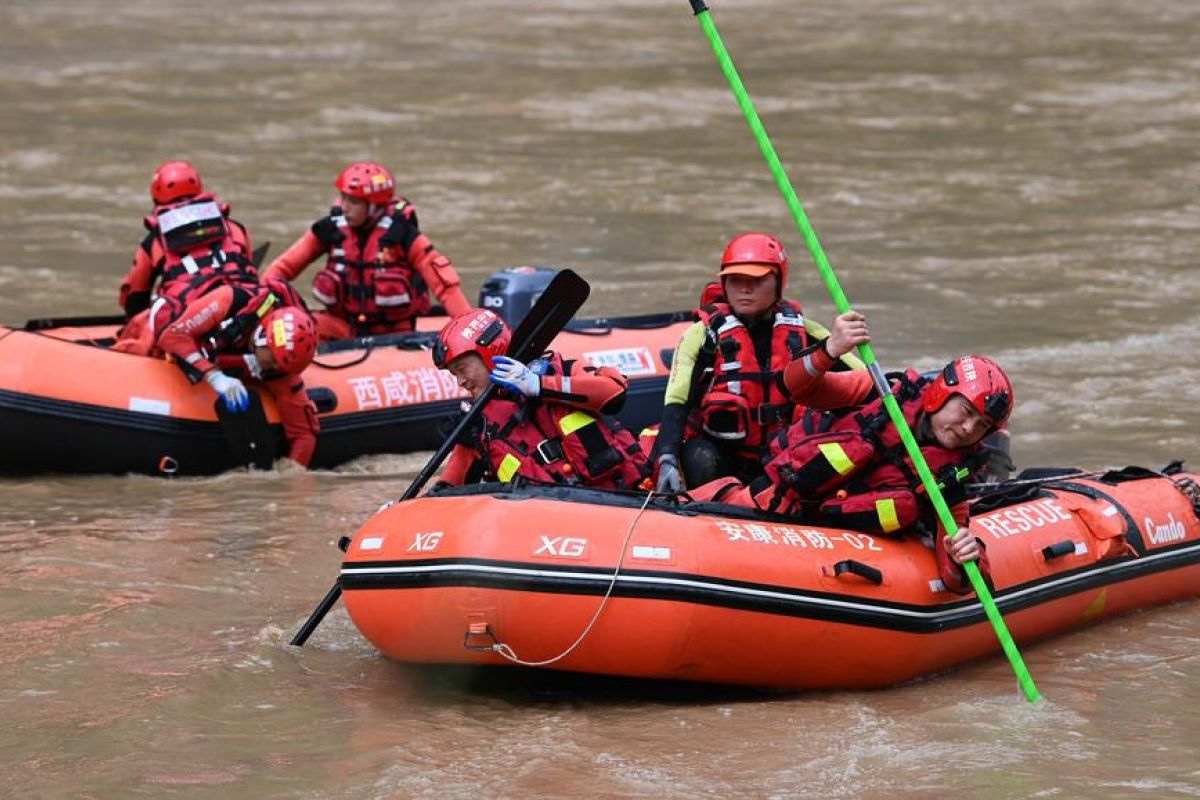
x,y
558,437
375,280
216,331
746,402
190,246
853,472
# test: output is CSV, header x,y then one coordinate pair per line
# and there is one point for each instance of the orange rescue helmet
x,y
368,181
174,180
290,333
478,331
981,381
755,254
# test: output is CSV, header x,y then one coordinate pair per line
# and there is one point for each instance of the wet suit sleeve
x,y
953,576
182,337
462,458
295,259
678,398
810,383
139,281
439,274
600,390
298,415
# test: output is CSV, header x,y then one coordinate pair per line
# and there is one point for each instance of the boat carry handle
x,y
480,629
323,398
1059,549
864,571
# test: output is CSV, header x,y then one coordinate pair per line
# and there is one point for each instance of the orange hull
x,y
722,597
66,405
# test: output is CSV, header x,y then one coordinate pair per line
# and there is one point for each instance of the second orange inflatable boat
x,y
69,403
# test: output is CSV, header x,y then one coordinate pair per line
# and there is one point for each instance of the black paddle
x,y
248,433
553,310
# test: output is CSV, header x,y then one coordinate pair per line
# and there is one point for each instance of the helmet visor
x,y
751,270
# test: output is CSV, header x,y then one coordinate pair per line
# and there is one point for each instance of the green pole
x,y
868,356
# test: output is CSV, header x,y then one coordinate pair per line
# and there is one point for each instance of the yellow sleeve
x,y
679,385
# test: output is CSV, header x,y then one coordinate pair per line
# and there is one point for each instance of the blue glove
x,y
510,374
231,390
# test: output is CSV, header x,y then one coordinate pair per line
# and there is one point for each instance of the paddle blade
x,y
562,299
259,254
248,434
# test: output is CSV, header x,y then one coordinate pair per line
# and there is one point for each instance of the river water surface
x,y
1018,179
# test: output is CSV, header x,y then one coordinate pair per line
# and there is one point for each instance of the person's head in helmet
x,y
753,273
970,398
285,341
466,346
174,181
366,189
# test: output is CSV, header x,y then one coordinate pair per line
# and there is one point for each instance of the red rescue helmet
x,y
478,331
755,254
290,333
981,381
368,181
174,180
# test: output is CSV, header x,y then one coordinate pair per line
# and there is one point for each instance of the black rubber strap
x,y
1059,549
864,571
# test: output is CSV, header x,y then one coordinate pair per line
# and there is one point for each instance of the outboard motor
x,y
510,293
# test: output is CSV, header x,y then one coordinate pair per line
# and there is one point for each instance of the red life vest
x,y
198,251
370,282
555,443
861,454
746,402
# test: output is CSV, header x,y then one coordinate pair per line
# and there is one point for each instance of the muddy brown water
x,y
1016,179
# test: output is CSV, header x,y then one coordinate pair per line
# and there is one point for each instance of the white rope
x,y
507,652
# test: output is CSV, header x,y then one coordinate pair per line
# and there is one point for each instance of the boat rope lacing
x,y
507,652
986,489
1190,490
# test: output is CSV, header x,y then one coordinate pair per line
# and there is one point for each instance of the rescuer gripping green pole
x,y
864,350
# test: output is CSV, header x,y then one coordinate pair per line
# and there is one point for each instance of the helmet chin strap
x,y
259,337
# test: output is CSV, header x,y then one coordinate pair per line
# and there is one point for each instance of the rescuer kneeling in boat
x,y
546,424
849,469
725,398
233,334
191,246
380,267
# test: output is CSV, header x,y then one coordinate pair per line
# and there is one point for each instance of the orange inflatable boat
x,y
593,582
68,403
